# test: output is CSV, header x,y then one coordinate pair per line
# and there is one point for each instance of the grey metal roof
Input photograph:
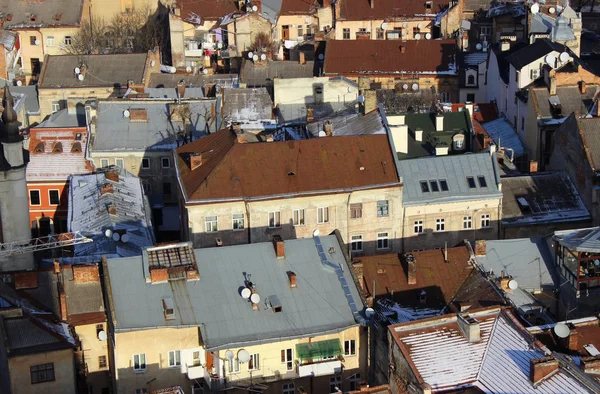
x,y
571,100
8,39
296,113
47,13
115,132
317,305
350,124
503,133
541,198
63,119
160,80
541,23
32,104
171,93
242,105
454,169
88,213
101,70
583,240
262,75
561,31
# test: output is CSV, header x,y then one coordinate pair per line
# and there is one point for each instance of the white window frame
x,y
211,225
418,227
356,243
145,160
176,361
274,219
440,225
162,163
467,222
49,41
122,162
384,237
50,198
288,358
233,365
39,197
196,361
255,361
288,388
237,221
323,215
381,204
102,161
298,217
68,40
350,347
335,381
486,220
55,106
141,365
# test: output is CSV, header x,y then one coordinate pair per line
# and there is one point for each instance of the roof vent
x,y
275,304
58,148
111,208
292,279
106,189
195,160
57,17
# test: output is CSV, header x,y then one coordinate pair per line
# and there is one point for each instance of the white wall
x,y
301,90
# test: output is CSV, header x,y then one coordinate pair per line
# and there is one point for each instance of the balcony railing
x,y
328,367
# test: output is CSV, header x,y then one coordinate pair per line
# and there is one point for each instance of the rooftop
x,y
162,80
296,113
589,130
401,57
503,133
247,105
355,10
349,124
32,104
254,75
299,7
313,166
541,199
197,12
64,119
533,52
35,14
581,240
318,303
586,329
570,100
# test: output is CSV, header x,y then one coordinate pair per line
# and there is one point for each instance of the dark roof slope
x,y
357,10
317,165
386,56
531,53
206,10
501,58
34,14
589,128
255,76
570,98
298,7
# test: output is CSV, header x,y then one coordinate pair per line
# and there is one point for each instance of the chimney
x,y
241,137
372,4
542,368
439,122
470,107
582,87
26,280
219,242
292,278
572,341
552,83
63,302
85,273
504,45
159,275
279,246
112,209
302,57
441,150
533,166
480,247
106,189
591,364
180,90
328,128
254,306
411,263
402,49
310,114
419,135
56,266
470,327
112,175
400,137
195,160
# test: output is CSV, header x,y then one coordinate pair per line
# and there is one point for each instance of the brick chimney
x,y
279,246
480,248
591,364
402,49
542,368
85,274
411,263
301,58
533,166
328,128
159,275
582,87
195,160
112,209
292,279
180,89
470,327
26,280
552,85
106,188
63,303
572,341
112,175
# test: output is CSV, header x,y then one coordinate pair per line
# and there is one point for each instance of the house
x,y
486,350
563,27
36,353
472,76
55,154
299,21
239,32
303,189
448,199
539,204
284,322
263,74
67,80
119,222
250,108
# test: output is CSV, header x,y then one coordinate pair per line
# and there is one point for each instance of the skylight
x,y
444,185
471,182
424,187
434,186
482,182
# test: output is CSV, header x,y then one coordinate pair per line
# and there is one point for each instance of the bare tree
x,y
91,38
263,43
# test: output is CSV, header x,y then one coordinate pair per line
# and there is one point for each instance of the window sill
x,y
238,230
139,371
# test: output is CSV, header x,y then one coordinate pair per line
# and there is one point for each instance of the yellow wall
x,y
48,95
92,349
107,9
295,20
373,25
64,373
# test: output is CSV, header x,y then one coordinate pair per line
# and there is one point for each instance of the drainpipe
x,y
349,240
248,227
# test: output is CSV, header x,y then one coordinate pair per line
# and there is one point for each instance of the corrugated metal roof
x,y
502,132
352,124
243,105
582,240
317,305
32,104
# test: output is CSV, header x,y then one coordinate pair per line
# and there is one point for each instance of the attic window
x,y
138,115
434,186
9,17
291,173
78,136
471,182
32,18
482,182
76,148
424,187
39,148
428,5
57,148
444,185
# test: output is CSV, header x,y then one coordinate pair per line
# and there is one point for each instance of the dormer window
x,y
39,148
428,5
57,148
76,148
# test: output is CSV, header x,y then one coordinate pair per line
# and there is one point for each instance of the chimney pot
x,y
533,166
292,278
372,4
411,262
480,247
328,128
402,49
470,327
301,58
279,246
219,242
505,45
542,368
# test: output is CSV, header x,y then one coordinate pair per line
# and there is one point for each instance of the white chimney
x,y
396,119
419,135
504,45
439,122
441,150
400,137
470,107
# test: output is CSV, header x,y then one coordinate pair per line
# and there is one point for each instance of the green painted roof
x,y
319,349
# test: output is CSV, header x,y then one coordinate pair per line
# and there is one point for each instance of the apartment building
x,y
229,196
269,316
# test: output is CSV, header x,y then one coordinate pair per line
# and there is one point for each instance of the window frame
x,y
236,221
356,245
298,217
162,162
356,210
32,41
418,224
440,225
50,197
471,182
346,34
214,224
122,162
145,160
482,181
102,362
42,369
176,359
467,222
68,40
255,362
385,240
274,219
433,186
383,208
323,215
49,41
196,361
39,198
487,219
443,185
424,186
141,365
287,358
233,366
350,347
55,105
288,388
335,381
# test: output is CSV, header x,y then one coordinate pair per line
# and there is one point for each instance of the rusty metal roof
x,y
360,10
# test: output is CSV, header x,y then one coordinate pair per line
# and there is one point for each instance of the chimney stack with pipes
x,y
411,269
180,90
292,279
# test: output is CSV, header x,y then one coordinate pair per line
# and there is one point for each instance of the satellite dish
x,y
188,69
126,113
246,293
255,57
254,8
243,356
229,355
321,56
220,45
263,57
535,8
205,71
322,134
420,26
80,77
361,99
597,263
564,57
418,36
250,54
478,47
108,233
125,238
405,86
369,313
415,87
562,330
513,285
255,298
384,26
428,36
19,83
552,10
405,25
116,236
350,89
77,70
102,335
550,59
316,233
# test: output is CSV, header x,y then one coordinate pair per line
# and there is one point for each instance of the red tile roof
x,y
360,10
207,9
385,56
298,7
233,170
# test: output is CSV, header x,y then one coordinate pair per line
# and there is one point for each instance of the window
x,y
355,382
356,211
54,197
335,384
443,185
145,163
467,222
50,41
42,373
418,227
357,243
485,220
34,197
440,224
346,33
482,182
238,222
434,186
522,123
103,162
33,40
383,241
139,362
298,217
234,365
274,219
383,208
288,388
485,30
471,182
101,362
211,224
55,106
287,358
147,187
120,163
471,97
323,215
300,31
350,347
471,81
424,187
167,188
196,362
428,5
67,40
379,34
166,162
308,30
174,358
254,363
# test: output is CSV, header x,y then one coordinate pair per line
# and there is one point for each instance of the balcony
x,y
195,372
328,367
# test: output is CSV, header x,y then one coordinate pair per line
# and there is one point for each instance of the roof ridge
x,y
487,346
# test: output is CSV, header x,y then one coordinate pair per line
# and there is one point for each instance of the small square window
x,y
166,162
298,217
50,41
323,215
440,225
383,208
103,163
424,187
346,34
471,182
418,226
120,163
356,211
55,106
33,40
254,363
357,243
443,185
350,347
335,384
54,197
174,358
288,388
274,219
467,222
34,197
146,163
482,182
42,373
383,241
68,40
211,224
485,220
434,186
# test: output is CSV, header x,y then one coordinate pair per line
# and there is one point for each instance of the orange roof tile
x,y
207,10
360,10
